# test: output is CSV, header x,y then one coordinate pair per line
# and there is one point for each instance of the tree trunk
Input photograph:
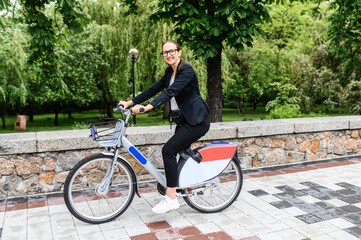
x,y
3,116
56,122
3,119
255,105
109,100
31,116
166,110
214,86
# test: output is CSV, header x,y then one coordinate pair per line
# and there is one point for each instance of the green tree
x,y
205,26
46,34
350,98
12,65
344,33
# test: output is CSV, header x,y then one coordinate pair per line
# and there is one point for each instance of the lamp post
x,y
133,54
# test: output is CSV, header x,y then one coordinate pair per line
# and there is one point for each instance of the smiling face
x,y
174,59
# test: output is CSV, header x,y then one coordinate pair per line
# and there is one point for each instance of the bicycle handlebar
x,y
125,111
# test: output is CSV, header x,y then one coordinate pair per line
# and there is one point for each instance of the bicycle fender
x,y
131,166
215,158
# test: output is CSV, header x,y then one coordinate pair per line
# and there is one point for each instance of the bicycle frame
x,y
203,171
129,147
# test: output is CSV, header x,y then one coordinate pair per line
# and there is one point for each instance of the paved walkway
x,y
318,202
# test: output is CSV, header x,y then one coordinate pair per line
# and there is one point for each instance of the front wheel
x,y
89,199
218,193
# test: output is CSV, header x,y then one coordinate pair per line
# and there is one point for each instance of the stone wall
x,y
32,163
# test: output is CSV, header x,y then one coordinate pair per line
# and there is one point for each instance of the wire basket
x,y
107,134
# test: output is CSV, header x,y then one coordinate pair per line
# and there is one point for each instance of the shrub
x,y
285,111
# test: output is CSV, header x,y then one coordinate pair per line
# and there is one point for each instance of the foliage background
x,y
309,55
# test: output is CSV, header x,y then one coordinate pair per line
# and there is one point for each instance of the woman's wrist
x,y
148,107
129,103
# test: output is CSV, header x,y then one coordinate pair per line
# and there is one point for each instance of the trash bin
x,y
20,123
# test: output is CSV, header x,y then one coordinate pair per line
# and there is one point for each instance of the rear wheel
x,y
91,201
219,193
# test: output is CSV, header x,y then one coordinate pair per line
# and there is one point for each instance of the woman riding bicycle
x,y
188,111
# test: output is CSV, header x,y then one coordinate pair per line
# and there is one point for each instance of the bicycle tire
x,y
200,202
81,191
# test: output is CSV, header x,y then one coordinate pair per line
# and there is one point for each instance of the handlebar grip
x,y
141,109
117,107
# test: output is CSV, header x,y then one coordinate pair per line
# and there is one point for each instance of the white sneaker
x,y
165,205
181,201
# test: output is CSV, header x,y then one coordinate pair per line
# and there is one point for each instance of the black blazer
x,y
185,89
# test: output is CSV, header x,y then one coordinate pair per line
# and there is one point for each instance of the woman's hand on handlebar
x,y
126,104
141,109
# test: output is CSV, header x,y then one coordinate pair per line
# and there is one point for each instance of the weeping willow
x,y
12,63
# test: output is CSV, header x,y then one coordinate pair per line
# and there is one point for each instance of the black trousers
x,y
183,137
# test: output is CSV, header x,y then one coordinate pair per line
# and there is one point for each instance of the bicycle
x,y
101,187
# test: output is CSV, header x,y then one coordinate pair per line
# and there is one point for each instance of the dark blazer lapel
x,y
168,78
171,72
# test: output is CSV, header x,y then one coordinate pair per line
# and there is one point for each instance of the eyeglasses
x,y
171,52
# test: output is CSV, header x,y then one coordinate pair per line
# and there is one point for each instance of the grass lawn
x,y
45,122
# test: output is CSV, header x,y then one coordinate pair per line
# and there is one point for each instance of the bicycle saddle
x,y
188,152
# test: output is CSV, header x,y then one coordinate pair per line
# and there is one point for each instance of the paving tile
x,y
351,208
179,222
157,226
281,204
39,231
136,229
268,198
207,228
270,236
343,235
235,230
218,235
258,192
14,232
324,205
70,237
293,222
188,231
322,237
340,223
151,217
115,224
355,231
290,234
116,234
336,202
354,218
17,206
37,204
146,236
251,238
294,211
197,218
308,230
324,227
92,236
309,199
166,234
197,237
